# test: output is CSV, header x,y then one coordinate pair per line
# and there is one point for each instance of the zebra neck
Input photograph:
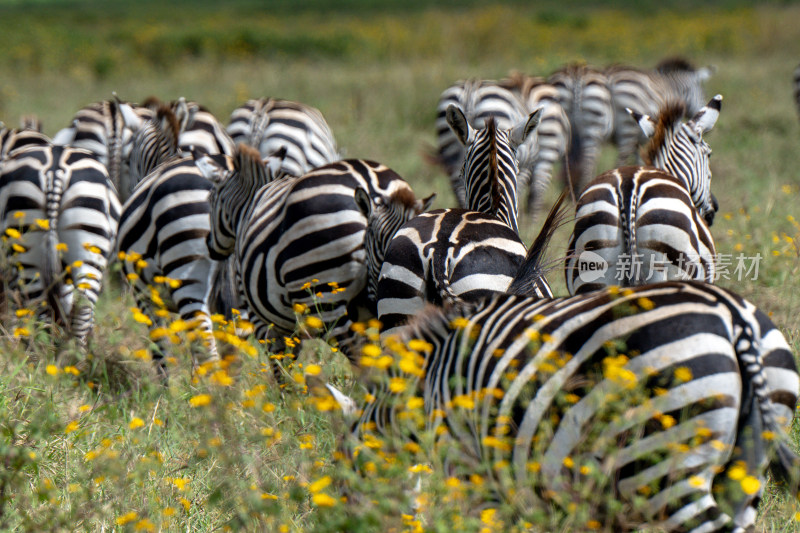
x,y
495,196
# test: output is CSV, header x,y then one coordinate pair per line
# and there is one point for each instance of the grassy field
x,y
98,443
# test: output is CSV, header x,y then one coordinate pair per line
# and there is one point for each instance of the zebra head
x,y
233,195
154,140
385,215
679,148
490,164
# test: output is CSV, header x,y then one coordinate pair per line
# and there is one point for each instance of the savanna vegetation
x,y
98,443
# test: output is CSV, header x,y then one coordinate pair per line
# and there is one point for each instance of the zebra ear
x,y
132,121
210,169
521,131
705,119
426,203
458,123
363,202
274,161
185,112
644,121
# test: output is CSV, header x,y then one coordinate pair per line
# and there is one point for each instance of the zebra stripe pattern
x,y
200,131
659,389
478,100
162,236
63,204
644,224
295,230
16,139
268,124
100,129
452,254
553,134
585,96
647,92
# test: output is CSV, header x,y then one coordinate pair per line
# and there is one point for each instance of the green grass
x,y
376,74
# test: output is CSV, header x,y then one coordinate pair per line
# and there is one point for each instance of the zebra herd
x,y
207,219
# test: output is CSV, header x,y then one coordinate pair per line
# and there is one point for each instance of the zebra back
x,y
15,139
302,241
664,386
271,123
100,129
585,96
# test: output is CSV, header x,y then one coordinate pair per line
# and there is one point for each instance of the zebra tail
x,y
52,273
532,268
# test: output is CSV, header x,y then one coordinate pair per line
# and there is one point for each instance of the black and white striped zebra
x,y
448,255
200,131
647,92
661,390
643,224
479,100
302,240
60,213
586,98
100,129
164,227
268,124
553,134
17,138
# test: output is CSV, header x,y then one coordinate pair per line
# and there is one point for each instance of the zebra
x,y
60,214
448,255
586,98
15,139
646,92
270,123
645,224
163,231
301,241
553,133
200,130
479,100
100,129
663,390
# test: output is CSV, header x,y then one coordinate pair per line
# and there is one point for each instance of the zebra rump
x,y
268,124
64,206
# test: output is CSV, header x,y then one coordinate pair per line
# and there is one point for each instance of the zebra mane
x,y
674,64
494,175
168,123
668,118
249,167
404,196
